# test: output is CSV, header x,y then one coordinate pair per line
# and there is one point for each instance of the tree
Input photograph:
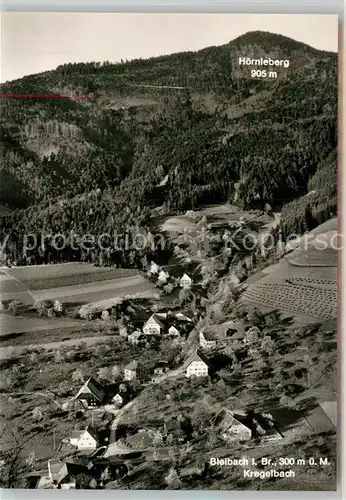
x,y
93,484
106,476
60,355
51,313
172,479
14,307
58,308
33,357
253,334
37,413
83,481
77,376
105,374
31,460
12,464
268,345
116,372
105,315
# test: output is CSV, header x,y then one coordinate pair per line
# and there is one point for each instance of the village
x,y
111,447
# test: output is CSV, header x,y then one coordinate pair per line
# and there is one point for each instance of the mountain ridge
x,y
269,136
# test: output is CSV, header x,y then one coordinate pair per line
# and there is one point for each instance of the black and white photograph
x,y
169,251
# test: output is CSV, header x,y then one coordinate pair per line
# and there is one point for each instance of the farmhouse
x,y
173,332
185,281
85,440
233,427
154,268
196,367
136,338
91,393
153,326
206,340
54,465
135,371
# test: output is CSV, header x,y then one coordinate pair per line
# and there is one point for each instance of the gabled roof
x,y
173,328
209,335
194,357
93,387
185,277
229,418
154,320
136,335
89,429
133,365
93,433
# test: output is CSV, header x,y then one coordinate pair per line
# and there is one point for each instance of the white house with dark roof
x,y
153,326
196,367
91,393
185,281
233,425
86,439
135,371
207,340
173,331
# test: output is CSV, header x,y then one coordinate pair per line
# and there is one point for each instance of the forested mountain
x,y
92,162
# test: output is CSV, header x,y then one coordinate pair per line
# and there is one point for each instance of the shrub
x,y
51,313
14,307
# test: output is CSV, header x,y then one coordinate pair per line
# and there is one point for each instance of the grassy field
x,y
92,292
60,275
303,284
71,283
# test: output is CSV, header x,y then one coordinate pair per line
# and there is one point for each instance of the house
x,y
173,332
91,394
233,426
153,326
66,477
86,439
137,338
185,281
54,465
62,474
135,371
118,399
196,367
206,340
154,268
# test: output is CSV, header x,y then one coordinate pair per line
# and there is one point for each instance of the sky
x,y
35,42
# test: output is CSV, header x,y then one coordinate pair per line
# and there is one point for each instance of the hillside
x,y
196,119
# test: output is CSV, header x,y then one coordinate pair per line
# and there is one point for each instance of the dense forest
x,y
173,132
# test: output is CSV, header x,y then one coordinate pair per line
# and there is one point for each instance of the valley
x,y
164,293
